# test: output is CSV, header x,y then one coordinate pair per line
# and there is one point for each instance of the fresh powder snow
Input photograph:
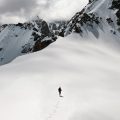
x,y
87,70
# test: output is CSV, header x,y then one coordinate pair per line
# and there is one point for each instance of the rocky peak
x,y
96,15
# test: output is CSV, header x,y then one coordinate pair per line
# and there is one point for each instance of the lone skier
x,y
60,90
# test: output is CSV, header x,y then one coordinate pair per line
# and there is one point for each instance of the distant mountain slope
x,y
57,27
98,15
22,38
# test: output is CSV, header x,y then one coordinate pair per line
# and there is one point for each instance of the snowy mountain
x,y
99,17
22,38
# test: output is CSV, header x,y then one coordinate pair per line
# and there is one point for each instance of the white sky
x,y
14,11
63,9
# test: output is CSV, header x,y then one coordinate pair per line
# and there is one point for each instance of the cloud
x,y
62,9
12,11
13,6
16,10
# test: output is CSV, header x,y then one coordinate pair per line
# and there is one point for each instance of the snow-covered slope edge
x,y
87,71
22,38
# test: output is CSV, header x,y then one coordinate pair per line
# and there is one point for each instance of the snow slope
x,y
87,70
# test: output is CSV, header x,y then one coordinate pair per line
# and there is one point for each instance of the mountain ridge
x,y
92,16
99,18
22,38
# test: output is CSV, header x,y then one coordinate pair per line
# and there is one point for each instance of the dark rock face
x,y
45,29
36,36
91,18
118,16
46,34
109,20
58,27
1,49
81,19
116,5
41,45
61,33
19,24
90,1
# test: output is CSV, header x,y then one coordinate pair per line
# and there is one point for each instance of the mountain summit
x,y
99,18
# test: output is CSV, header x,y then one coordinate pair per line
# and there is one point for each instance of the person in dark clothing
x,y
60,90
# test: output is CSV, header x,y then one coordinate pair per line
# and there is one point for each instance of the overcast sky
x,y
13,11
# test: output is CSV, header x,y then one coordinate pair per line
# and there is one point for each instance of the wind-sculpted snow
x,y
87,70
